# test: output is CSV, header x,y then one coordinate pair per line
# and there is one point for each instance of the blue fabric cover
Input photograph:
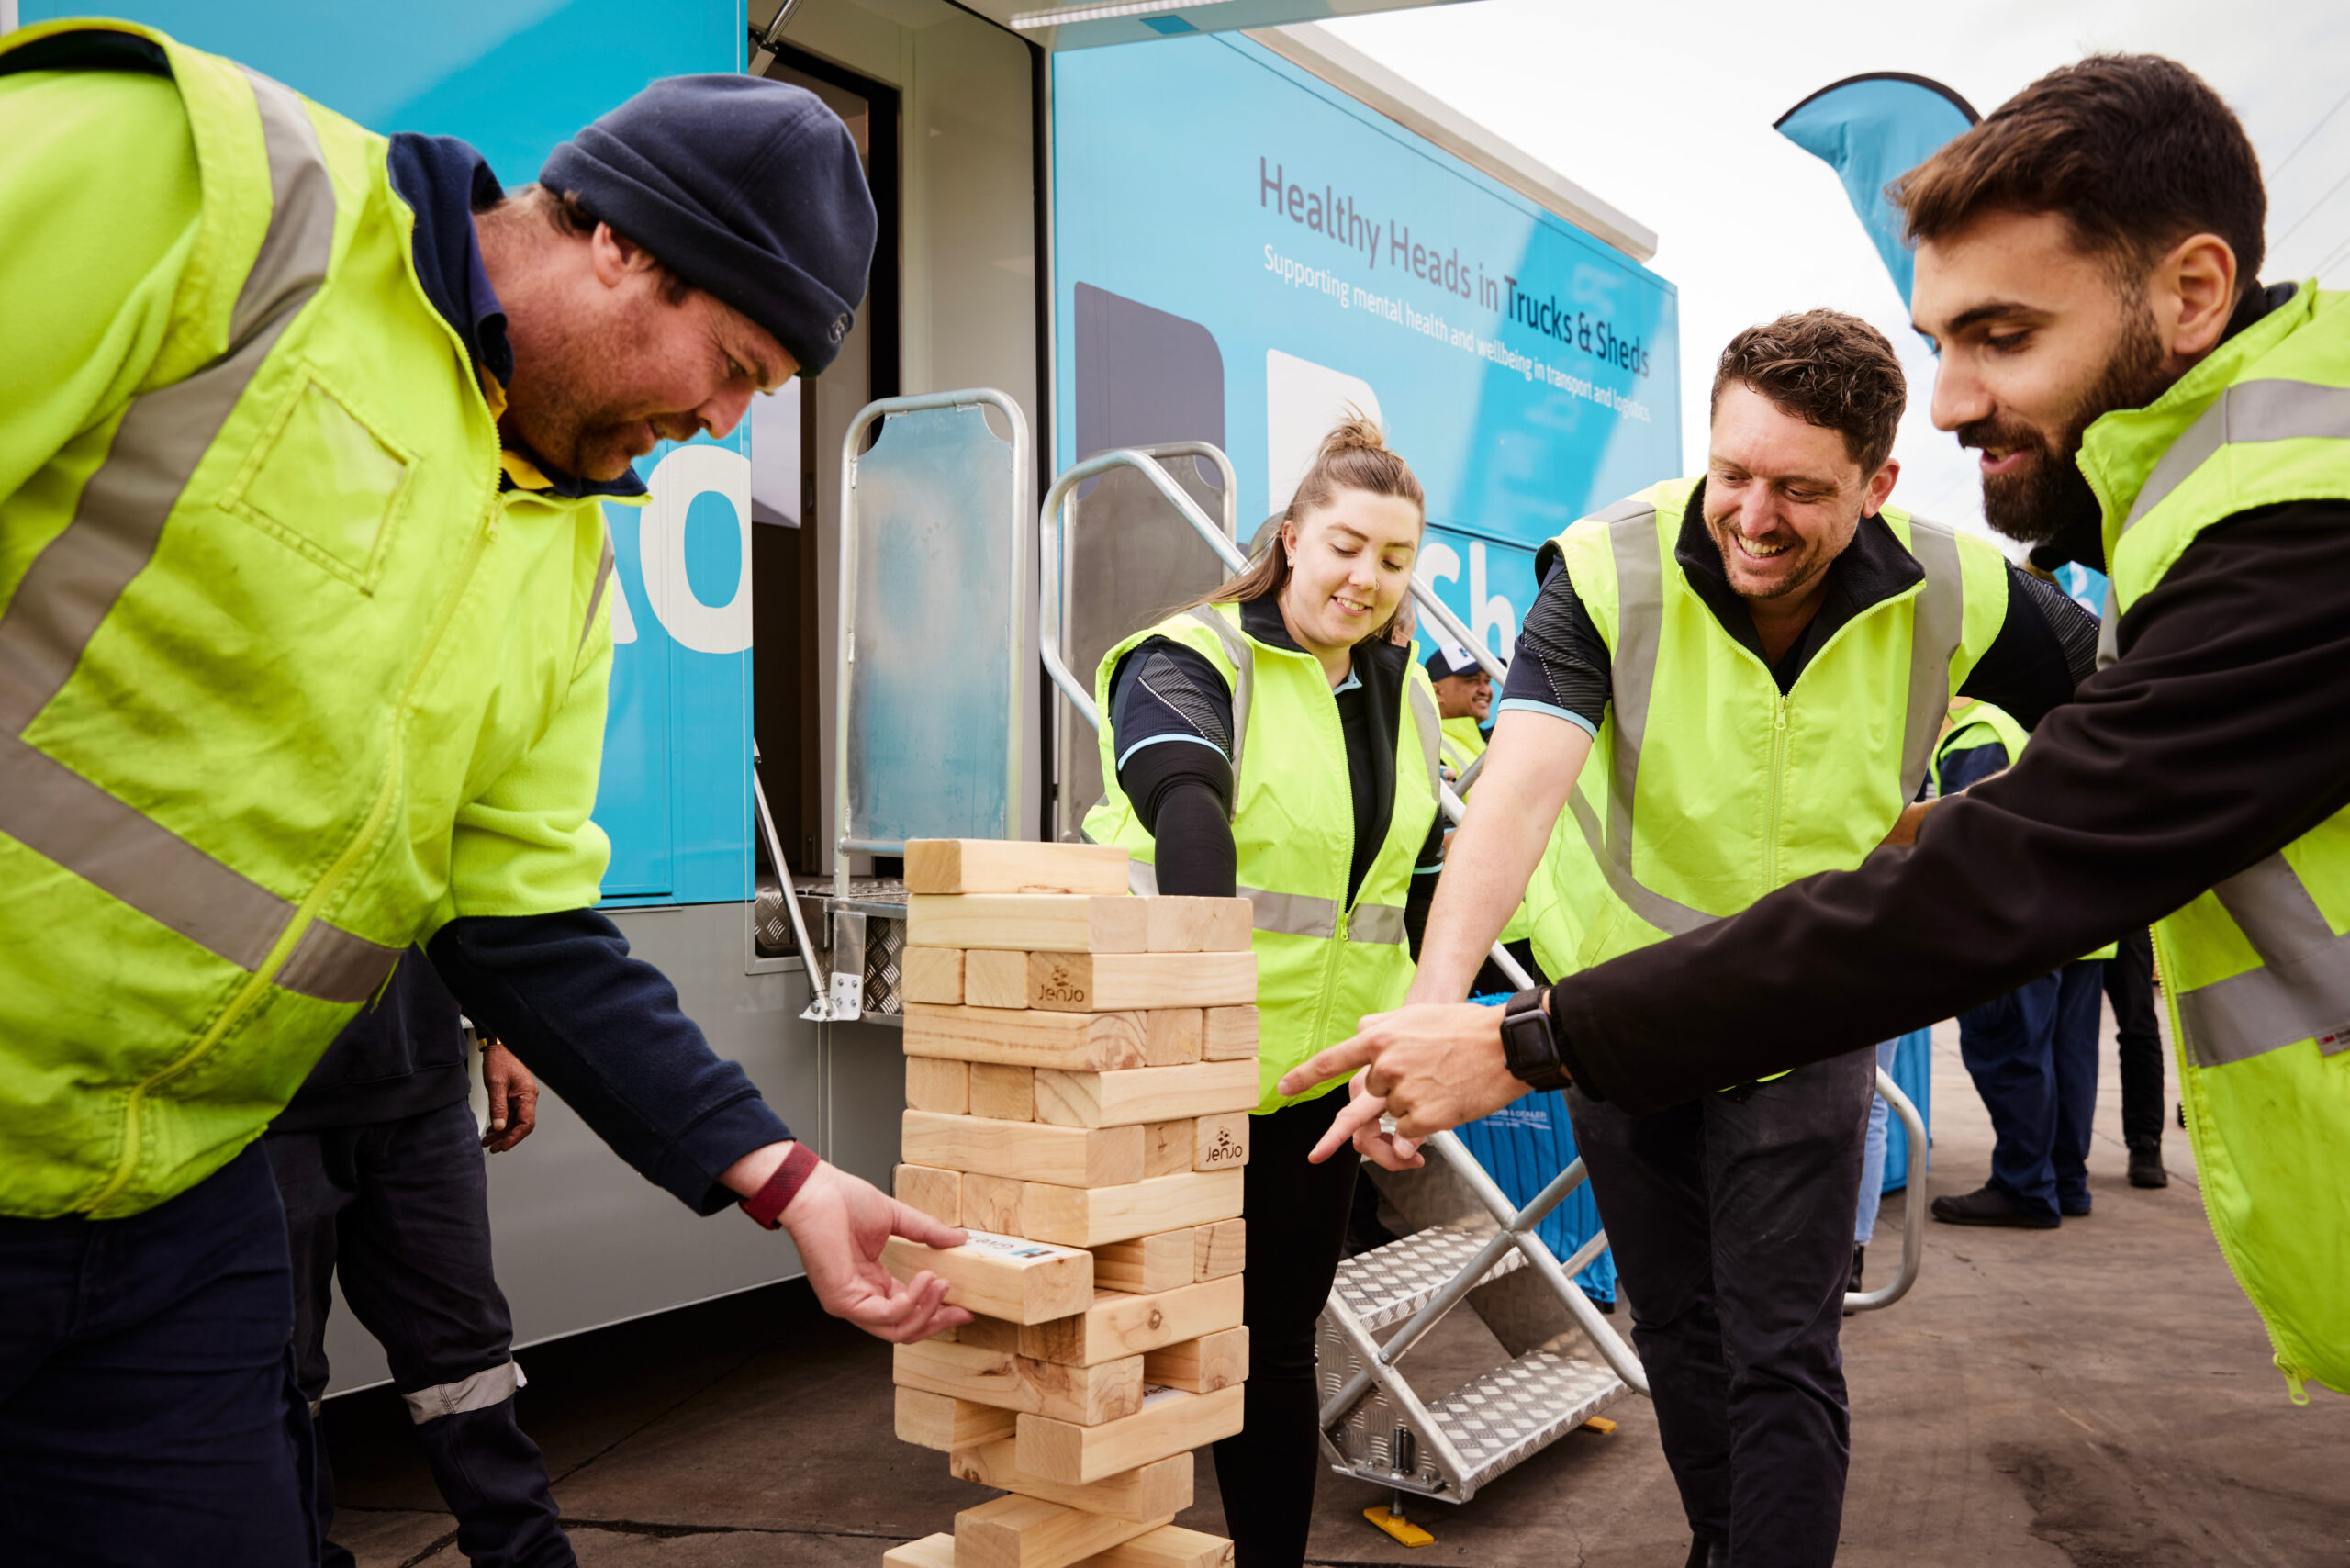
x,y
1523,1146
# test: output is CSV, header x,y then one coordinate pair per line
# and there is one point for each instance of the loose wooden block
x,y
938,1193
1170,1035
1027,1282
1167,1148
940,1421
1004,1093
1146,1264
1098,1042
1169,1546
1217,1250
930,1552
992,979
1139,1095
1077,1216
991,1202
1177,924
1060,923
1152,1490
1004,866
933,975
989,1333
1116,1327
1168,1422
934,1084
1227,1034
1069,1156
1202,1365
1106,979
1221,1142
1028,1532
1086,1396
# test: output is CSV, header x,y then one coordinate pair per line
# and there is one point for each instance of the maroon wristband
x,y
767,1205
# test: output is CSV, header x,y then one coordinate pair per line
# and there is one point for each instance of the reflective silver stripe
x,y
1431,728
1938,625
478,1392
334,965
2301,990
1244,682
2249,412
1649,904
1292,914
2108,629
596,600
1142,878
1375,922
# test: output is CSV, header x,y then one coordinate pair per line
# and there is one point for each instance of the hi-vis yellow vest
x,y
1707,787
1463,742
2255,971
1322,963
282,685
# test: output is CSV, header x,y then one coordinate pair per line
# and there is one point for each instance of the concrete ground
x,y
2100,1396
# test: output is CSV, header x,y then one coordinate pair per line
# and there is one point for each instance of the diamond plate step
x,y
1498,1420
1389,1284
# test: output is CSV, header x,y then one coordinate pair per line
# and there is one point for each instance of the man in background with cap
x,y
305,640
1464,700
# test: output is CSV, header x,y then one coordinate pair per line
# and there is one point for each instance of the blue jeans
x,y
1872,1158
2032,1055
148,1411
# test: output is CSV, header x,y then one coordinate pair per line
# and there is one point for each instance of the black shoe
x,y
2146,1167
1989,1206
1704,1554
2079,1210
1852,1286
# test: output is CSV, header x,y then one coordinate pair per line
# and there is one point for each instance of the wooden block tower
x,y
1081,1064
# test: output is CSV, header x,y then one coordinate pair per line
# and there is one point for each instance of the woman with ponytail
x,y
1274,742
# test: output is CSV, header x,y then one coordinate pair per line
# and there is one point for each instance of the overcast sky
x,y
1666,111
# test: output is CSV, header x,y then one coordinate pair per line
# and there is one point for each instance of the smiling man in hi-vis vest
x,y
2087,270
305,639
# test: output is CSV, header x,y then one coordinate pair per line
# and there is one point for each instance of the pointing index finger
x,y
1344,1056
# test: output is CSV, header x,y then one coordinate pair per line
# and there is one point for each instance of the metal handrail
x,y
1913,1203
819,981
844,842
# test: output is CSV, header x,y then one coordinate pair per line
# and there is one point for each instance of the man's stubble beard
x,y
567,422
2049,496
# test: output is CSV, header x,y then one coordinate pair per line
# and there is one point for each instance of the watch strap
x,y
1528,1047
767,1205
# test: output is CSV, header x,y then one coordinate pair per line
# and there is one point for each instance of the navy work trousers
x,y
1731,1222
2033,1054
401,1208
148,1411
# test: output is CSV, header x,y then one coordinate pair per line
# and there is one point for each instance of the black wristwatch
x,y
1526,1045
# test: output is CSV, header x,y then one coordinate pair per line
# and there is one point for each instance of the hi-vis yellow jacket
x,y
283,686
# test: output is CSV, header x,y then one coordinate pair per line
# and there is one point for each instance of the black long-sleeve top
x,y
2221,735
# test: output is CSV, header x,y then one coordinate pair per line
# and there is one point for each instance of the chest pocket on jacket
x,y
324,483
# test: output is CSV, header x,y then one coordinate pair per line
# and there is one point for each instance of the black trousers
x,y
401,1209
1732,1227
2138,1040
1297,1223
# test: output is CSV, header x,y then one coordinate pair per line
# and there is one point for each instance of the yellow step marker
x,y
1600,1424
1402,1530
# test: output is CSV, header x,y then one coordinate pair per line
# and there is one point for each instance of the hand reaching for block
x,y
840,1224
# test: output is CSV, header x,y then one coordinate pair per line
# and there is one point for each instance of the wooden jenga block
x,y
1167,1147
933,975
1116,1327
1004,1093
987,1333
1177,924
1152,1490
1077,1216
1168,1422
991,1202
1217,1250
1098,1042
1221,1142
1069,1156
938,1193
1169,1546
1202,1365
1060,923
1170,1035
1145,1265
1109,980
992,979
1028,1532
1004,866
936,1084
930,1552
940,1421
1086,1396
1026,1282
1139,1095
1227,1034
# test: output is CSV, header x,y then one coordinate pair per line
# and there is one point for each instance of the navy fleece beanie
x,y
748,188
